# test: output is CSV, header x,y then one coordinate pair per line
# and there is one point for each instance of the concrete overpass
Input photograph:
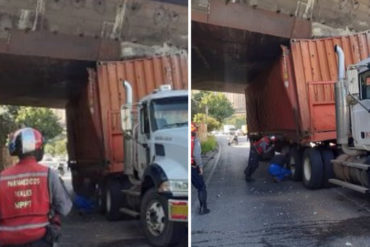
x,y
233,40
46,45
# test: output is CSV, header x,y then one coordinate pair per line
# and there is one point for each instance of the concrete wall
x,y
142,26
329,17
238,102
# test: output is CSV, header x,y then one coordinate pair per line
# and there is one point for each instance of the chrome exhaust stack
x,y
341,107
128,89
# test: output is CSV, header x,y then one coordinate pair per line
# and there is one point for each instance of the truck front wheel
x,y
313,171
113,200
154,218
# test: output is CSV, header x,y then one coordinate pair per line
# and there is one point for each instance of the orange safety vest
x,y
24,202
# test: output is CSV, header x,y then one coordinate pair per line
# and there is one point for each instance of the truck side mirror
x,y
126,118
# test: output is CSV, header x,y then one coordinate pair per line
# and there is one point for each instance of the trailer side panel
x,y
294,97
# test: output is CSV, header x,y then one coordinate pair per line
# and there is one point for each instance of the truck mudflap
x,y
178,210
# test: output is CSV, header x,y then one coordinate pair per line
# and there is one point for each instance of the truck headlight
x,y
174,186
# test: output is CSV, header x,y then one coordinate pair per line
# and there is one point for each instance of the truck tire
x,y
154,218
77,183
327,156
313,171
101,197
113,200
295,163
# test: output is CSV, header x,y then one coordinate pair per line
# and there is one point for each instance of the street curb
x,y
207,160
215,163
210,158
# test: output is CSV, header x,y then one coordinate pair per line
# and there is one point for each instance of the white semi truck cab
x,y
352,98
156,163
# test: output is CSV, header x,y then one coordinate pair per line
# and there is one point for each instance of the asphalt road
x,y
93,230
264,213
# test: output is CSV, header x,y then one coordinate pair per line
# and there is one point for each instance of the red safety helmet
x,y
26,142
193,128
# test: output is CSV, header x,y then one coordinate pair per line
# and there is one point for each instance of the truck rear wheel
x,y
113,200
327,155
154,218
312,169
295,163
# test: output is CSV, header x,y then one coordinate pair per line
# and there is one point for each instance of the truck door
x,y
360,114
143,149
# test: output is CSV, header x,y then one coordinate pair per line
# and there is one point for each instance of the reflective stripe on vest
x,y
22,227
23,175
24,204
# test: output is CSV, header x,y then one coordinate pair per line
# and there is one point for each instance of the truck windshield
x,y
365,85
169,112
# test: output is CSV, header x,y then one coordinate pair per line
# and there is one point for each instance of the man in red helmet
x,y
258,149
31,195
197,171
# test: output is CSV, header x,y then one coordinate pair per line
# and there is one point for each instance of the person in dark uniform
x,y
258,149
197,171
277,168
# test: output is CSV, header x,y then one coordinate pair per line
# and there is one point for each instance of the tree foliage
x,y
212,123
57,147
219,107
42,119
237,121
7,125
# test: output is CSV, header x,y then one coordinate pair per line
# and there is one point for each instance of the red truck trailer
x,y
294,99
136,183
95,138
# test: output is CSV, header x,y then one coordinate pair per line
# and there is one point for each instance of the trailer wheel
x,y
77,183
313,171
154,218
113,200
101,197
327,155
295,163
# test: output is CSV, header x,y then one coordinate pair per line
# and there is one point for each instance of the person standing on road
x,y
197,171
258,149
31,195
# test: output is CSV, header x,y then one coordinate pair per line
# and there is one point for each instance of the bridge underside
x,y
37,81
47,46
233,40
225,59
233,43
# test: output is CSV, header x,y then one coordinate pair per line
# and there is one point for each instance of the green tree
x,y
196,105
212,123
219,107
61,147
57,147
50,148
237,121
7,125
42,119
